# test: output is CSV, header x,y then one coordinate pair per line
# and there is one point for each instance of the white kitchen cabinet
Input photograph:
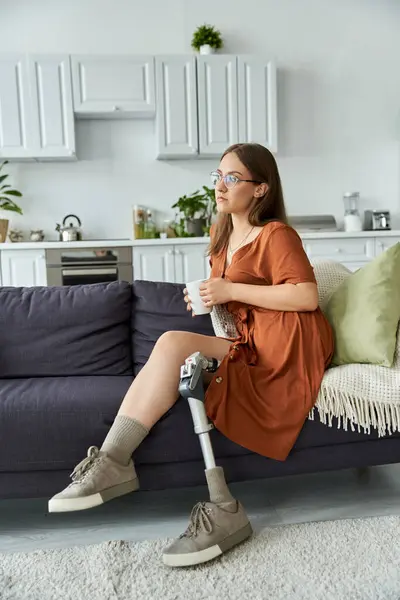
x,y
257,108
176,263
23,268
36,113
154,263
191,263
383,243
176,102
52,108
16,137
217,104
353,251
113,86
206,104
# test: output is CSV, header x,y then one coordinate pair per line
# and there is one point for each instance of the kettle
x,y
69,233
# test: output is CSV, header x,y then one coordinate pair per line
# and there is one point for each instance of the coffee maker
x,y
377,220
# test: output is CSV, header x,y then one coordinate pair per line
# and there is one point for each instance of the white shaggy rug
x,y
335,560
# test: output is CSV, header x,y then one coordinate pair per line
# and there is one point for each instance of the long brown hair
x,y
270,207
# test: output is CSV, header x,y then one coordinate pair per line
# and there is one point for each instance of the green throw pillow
x,y
364,312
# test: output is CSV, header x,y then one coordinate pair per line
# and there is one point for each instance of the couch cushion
x,y
159,307
70,330
49,422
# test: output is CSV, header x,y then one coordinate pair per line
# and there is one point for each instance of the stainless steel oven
x,y
75,266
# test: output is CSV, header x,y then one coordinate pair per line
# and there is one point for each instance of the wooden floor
x,y
25,525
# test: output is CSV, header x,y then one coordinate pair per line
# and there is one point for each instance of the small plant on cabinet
x,y
206,39
7,203
7,193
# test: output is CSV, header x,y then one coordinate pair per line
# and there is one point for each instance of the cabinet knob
x,y
338,250
116,108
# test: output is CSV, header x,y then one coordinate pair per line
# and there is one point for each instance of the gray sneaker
x,y
212,531
96,479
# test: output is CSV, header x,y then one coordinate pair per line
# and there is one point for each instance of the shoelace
x,y
199,520
83,467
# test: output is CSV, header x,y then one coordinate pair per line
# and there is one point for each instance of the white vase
x,y
207,49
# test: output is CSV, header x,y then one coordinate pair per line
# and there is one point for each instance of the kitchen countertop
x,y
56,244
344,234
307,235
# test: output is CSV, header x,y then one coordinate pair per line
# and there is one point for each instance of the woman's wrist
x,y
235,292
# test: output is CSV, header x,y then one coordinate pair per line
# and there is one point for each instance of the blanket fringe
x,y
357,412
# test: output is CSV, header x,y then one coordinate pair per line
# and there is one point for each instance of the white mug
x,y
198,307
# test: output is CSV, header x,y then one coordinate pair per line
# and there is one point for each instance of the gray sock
x,y
123,438
219,491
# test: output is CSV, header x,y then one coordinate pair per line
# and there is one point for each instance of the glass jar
x,y
150,228
139,222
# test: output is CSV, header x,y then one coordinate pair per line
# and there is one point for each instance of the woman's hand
x,y
187,300
216,291
213,291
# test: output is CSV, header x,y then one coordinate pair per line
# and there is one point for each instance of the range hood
x,y
304,223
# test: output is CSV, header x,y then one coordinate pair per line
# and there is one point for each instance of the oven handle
x,y
82,263
66,272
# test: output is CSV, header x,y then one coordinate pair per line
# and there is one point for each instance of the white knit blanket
x,y
362,396
358,395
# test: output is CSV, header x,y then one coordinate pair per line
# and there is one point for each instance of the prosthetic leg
x,y
220,524
191,388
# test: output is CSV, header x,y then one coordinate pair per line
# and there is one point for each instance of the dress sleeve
x,y
285,259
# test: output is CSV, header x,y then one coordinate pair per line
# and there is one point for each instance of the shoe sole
x,y
202,556
74,504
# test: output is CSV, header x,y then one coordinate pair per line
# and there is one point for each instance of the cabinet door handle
x,y
116,108
338,250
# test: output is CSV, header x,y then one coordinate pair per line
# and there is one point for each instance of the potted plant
x,y
206,39
197,210
209,196
7,202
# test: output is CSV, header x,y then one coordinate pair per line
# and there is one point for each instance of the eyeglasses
x,y
229,180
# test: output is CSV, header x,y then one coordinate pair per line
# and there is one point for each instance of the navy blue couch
x,y
67,357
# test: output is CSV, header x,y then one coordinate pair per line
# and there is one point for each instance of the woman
x,y
269,376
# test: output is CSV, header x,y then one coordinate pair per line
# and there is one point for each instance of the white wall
x,y
339,101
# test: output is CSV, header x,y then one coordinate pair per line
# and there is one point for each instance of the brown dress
x,y
265,387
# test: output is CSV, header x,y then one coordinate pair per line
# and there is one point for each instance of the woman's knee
x,y
172,337
172,348
178,345
173,341
181,344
